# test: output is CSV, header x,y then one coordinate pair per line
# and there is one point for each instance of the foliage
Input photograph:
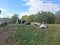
x,y
57,15
32,18
48,17
25,17
36,36
32,35
14,18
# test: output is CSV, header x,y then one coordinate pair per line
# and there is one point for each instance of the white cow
x,y
43,25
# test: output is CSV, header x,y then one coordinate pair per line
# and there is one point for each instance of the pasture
x,y
18,34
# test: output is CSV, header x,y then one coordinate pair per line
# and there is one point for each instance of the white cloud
x,y
2,10
2,15
10,15
39,5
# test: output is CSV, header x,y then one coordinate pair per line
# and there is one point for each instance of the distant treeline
x,y
45,16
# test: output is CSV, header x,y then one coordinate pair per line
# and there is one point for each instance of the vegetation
x,y
14,18
47,17
57,17
20,34
25,17
31,35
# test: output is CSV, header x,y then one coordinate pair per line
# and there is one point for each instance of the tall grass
x,y
31,35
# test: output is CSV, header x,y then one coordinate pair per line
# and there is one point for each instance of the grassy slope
x,y
30,35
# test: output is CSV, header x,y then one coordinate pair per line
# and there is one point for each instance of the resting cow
x,y
3,23
43,25
27,23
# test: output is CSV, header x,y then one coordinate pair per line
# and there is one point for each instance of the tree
x,y
33,18
25,17
46,17
40,17
0,11
57,15
14,18
51,18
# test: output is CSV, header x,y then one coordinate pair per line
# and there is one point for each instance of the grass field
x,y
30,35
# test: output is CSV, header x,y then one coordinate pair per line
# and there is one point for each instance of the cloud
x,y
2,9
40,5
2,12
10,15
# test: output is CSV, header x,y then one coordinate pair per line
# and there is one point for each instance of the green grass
x,y
31,35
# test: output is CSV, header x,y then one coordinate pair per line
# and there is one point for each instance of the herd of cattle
x,y
43,25
4,23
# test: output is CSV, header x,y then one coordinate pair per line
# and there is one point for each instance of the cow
x,y
19,21
23,22
27,23
3,23
35,23
43,25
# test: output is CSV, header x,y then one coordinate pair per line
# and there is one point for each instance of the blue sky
x,y
22,7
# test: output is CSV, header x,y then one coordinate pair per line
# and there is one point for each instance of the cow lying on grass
x,y
43,25
27,23
3,23
35,24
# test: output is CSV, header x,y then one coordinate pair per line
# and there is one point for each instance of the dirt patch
x,y
7,36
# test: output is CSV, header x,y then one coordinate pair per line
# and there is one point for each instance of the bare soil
x,y
7,36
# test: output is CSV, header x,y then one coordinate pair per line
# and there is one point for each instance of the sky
x,y
27,7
